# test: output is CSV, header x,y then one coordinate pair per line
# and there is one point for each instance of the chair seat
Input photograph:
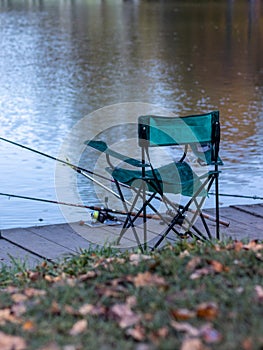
x,y
175,177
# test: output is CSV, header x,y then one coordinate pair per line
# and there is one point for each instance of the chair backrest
x,y
201,132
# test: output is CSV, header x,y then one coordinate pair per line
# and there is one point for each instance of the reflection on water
x,y
61,60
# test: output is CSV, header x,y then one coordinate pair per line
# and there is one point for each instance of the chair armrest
x,y
101,146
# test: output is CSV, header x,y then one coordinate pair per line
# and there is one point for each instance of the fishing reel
x,y
102,216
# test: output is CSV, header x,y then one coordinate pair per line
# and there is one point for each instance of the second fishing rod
x,y
88,174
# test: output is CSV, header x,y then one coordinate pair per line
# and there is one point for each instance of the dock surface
x,y
53,242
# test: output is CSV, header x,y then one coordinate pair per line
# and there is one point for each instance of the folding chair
x,y
199,135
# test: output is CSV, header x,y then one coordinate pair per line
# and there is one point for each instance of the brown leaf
x,y
135,259
238,246
70,310
193,344
10,342
18,309
159,334
32,292
125,316
79,327
144,279
19,297
29,326
55,308
6,315
259,293
254,246
210,335
247,344
137,333
182,314
87,276
34,275
52,279
89,309
193,263
218,266
201,272
207,310
186,328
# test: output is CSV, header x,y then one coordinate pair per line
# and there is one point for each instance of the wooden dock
x,y
53,242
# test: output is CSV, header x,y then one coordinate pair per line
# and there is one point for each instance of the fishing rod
x,y
75,167
91,207
87,173
237,195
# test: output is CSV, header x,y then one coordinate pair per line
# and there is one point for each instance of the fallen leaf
x,y
184,254
55,308
70,310
19,297
34,275
182,314
218,266
131,300
18,309
135,259
254,246
125,316
89,309
11,342
144,279
32,292
79,327
204,271
6,315
87,276
193,344
137,333
193,263
207,310
53,279
159,334
247,344
29,326
186,328
238,246
259,293
210,335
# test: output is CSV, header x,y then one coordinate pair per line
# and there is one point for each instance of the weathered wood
x,y
63,235
55,241
10,253
35,243
254,209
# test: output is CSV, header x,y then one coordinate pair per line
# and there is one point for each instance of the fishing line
x,y
75,167
91,207
236,195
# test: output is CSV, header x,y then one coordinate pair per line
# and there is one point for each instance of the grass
x,y
195,296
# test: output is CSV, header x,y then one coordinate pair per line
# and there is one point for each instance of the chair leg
x,y
128,219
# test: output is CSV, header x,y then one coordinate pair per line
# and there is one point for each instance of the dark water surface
x,y
61,60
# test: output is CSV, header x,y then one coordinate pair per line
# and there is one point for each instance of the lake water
x,y
62,60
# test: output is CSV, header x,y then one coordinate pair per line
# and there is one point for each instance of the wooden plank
x,y
243,225
35,243
63,235
254,209
10,253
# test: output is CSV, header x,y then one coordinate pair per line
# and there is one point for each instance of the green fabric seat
x,y
176,178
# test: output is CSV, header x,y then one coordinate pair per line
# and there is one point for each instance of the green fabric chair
x,y
201,134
